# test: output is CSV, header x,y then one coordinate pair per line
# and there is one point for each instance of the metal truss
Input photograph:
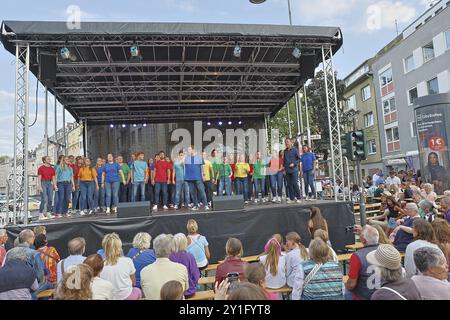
x,y
333,123
20,174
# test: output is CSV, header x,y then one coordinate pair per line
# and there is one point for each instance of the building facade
x,y
360,96
415,64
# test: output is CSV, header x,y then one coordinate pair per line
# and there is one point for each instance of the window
x,y
371,147
412,95
365,93
447,37
433,86
386,77
409,64
368,119
351,102
389,106
428,52
412,126
392,139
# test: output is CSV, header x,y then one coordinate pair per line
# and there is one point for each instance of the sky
x,y
367,26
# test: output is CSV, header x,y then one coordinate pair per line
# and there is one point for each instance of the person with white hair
x,y
427,210
3,240
427,192
180,255
404,234
359,266
141,254
445,208
17,278
76,249
154,276
432,283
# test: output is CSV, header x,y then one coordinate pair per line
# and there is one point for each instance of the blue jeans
x,y
124,192
242,187
292,184
276,184
87,189
309,182
195,186
136,186
75,195
161,187
99,197
208,190
64,190
112,194
225,182
46,197
259,187
179,186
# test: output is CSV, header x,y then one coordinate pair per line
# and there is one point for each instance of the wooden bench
x,y
247,259
355,246
203,295
46,294
283,290
206,280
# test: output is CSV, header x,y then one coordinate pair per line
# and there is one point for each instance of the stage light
x,y
65,53
134,50
208,124
111,126
124,125
220,123
144,125
134,125
240,122
230,123
237,51
296,53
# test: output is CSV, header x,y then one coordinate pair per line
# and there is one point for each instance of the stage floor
x,y
253,225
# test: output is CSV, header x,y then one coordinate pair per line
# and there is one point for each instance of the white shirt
x,y
375,178
279,280
101,289
120,277
293,260
410,266
69,262
395,181
432,288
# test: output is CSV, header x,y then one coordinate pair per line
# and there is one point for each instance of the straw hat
x,y
385,256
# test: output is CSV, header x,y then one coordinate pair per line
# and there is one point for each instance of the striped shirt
x,y
326,284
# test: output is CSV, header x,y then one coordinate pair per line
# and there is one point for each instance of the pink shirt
x,y
2,254
272,296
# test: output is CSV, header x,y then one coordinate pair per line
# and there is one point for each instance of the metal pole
x,y
85,137
46,122
289,120
25,133
64,129
290,13
308,129
362,205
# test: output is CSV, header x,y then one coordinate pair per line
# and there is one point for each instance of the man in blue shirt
x,y
193,175
308,163
291,160
139,176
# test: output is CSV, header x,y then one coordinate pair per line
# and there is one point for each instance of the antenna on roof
x,y
396,26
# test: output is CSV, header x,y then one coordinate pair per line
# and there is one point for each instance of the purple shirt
x,y
188,261
447,216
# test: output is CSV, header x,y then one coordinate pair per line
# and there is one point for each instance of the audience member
x,y
154,276
427,210
39,230
424,236
383,238
432,283
275,265
82,291
233,262
119,270
141,254
50,258
319,278
316,221
393,179
445,208
296,255
243,291
442,231
392,212
3,241
101,289
427,193
255,273
322,234
394,285
404,234
197,245
172,290
76,248
180,255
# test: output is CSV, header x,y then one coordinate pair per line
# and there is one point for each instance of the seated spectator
x,y
119,270
198,246
394,285
445,208
319,278
256,273
233,262
154,276
76,246
424,236
83,291
141,254
3,241
447,193
427,210
17,278
316,221
379,190
172,290
392,212
275,265
359,274
180,255
296,255
322,234
40,230
383,238
101,289
404,234
442,231
408,193
427,193
50,258
243,291
432,283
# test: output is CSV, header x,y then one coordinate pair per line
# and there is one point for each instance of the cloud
x,y
188,6
326,9
385,14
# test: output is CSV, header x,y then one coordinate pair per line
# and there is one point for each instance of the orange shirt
x,y
87,174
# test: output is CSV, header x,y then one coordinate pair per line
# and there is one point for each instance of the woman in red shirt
x,y
46,183
233,265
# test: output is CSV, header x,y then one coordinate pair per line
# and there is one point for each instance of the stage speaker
x,y
133,209
47,68
307,66
223,203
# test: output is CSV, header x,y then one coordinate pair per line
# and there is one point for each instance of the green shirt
x,y
126,171
216,163
224,170
258,171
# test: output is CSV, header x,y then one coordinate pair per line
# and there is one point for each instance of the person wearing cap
x,y
393,286
393,179
404,234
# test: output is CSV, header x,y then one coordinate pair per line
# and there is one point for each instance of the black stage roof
x,y
186,71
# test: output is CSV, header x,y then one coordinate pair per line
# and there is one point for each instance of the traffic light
x,y
359,145
347,145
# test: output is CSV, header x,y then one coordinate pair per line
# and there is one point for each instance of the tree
x,y
4,158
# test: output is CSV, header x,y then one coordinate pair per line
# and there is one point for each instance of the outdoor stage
x,y
253,226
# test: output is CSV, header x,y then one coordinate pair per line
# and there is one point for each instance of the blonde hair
x,y
272,259
295,237
322,234
39,230
142,241
82,289
113,248
192,226
179,242
319,251
383,239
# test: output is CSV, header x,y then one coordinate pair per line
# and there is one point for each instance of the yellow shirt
x,y
207,169
87,174
241,170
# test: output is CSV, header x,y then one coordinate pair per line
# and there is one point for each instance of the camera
x,y
350,229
